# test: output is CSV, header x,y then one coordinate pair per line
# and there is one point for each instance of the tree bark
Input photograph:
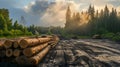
x,y
33,50
24,43
38,57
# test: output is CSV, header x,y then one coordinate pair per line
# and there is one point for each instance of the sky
x,y
51,12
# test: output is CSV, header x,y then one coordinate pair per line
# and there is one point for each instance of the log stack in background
x,y
27,50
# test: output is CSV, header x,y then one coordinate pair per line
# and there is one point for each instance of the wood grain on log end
x,y
8,43
27,52
16,52
23,43
21,60
16,44
9,52
33,61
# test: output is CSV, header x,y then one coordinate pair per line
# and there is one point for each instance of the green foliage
x,y
112,36
6,27
108,35
1,32
7,33
116,38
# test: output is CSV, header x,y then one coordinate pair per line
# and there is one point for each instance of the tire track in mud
x,y
74,53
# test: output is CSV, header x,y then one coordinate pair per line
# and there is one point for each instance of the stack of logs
x,y
27,50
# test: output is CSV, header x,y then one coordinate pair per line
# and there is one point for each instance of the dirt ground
x,y
83,53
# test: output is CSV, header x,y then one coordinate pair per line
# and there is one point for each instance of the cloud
x,y
51,12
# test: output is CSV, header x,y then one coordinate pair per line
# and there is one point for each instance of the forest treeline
x,y
105,23
98,22
10,28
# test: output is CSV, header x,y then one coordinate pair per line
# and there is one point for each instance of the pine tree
x,y
91,11
68,18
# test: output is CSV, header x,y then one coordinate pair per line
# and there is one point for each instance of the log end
x,y
8,43
9,52
21,60
23,43
27,52
16,44
16,52
33,61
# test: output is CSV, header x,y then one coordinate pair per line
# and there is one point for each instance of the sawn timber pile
x,y
27,50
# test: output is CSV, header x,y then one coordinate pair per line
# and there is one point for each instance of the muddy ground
x,y
83,53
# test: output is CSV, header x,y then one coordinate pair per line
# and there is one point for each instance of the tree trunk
x,y
38,57
24,43
9,52
33,50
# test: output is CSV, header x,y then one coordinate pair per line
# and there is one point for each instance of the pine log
x,y
8,43
38,57
16,52
53,44
21,60
1,44
16,43
9,52
33,50
24,43
2,53
55,38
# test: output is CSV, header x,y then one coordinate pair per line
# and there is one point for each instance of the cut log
x,y
52,43
43,40
2,53
8,43
16,43
24,43
33,50
55,38
21,60
38,57
16,52
1,44
9,52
